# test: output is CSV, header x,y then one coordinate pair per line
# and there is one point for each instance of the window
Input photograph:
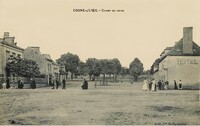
x,y
7,56
19,55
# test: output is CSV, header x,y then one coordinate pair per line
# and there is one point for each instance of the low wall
x,y
38,85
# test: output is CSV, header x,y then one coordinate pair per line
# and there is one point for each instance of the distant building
x,y
46,65
180,62
8,48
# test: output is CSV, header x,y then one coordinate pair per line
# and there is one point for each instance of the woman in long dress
x,y
153,88
145,85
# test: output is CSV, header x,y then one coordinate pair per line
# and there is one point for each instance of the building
x,y
180,62
46,65
8,48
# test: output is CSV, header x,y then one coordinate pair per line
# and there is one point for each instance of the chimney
x,y
187,40
9,39
36,49
6,34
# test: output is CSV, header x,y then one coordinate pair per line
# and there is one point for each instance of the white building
x,y
8,48
180,62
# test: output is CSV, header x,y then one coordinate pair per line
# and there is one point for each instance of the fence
x,y
40,82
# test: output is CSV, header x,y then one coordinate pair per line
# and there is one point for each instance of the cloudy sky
x,y
143,30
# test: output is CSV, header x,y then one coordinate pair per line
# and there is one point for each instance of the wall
x,y
184,68
1,59
4,57
45,63
36,56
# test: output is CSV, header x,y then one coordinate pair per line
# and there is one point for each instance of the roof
x,y
48,57
11,45
167,48
177,50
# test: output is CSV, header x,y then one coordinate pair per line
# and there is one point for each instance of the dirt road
x,y
121,103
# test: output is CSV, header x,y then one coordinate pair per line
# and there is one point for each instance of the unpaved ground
x,y
115,104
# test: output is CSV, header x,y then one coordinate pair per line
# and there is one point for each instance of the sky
x,y
143,30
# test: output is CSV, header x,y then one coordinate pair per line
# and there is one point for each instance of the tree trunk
x,y
103,79
72,76
136,78
115,77
90,77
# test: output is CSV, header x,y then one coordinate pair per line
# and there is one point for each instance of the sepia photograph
x,y
99,62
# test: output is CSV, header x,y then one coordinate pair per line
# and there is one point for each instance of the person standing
x,y
85,84
52,84
166,85
57,83
159,85
33,84
162,85
153,88
19,84
7,83
175,85
22,84
145,85
180,85
150,84
64,84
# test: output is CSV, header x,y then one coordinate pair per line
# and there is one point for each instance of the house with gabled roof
x,y
8,49
180,62
46,65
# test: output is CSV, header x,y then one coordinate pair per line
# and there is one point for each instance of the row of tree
x,y
94,67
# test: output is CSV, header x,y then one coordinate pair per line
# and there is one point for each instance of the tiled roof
x,y
177,50
11,45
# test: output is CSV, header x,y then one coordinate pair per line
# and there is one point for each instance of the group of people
x,y
20,84
179,86
5,84
151,85
57,84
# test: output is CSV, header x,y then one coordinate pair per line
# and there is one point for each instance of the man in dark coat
x,y
175,85
7,83
33,84
64,84
20,84
57,83
159,85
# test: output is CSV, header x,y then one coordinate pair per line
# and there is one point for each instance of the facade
x,y
180,62
46,65
8,48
